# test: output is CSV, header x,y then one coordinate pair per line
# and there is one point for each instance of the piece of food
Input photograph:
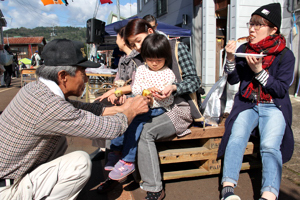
x,y
245,39
146,93
120,83
118,93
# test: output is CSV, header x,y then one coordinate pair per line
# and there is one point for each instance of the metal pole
x,y
118,10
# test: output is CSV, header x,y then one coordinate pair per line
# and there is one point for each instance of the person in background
x,y
156,77
153,22
262,103
23,66
117,54
2,69
34,126
37,58
8,69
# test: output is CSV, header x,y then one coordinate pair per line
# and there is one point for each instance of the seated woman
x,y
126,71
262,103
173,122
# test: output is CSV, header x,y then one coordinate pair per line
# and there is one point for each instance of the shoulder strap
x,y
282,55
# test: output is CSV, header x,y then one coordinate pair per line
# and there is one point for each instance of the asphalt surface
x,y
206,188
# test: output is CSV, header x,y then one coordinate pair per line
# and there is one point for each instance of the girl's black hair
x,y
157,46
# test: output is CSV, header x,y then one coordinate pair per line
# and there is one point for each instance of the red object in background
x,y
105,1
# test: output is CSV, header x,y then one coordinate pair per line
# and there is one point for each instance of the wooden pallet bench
x,y
196,154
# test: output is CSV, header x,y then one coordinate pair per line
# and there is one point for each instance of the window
x,y
141,4
161,7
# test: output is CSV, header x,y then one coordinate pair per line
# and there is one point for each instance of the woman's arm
x,y
190,81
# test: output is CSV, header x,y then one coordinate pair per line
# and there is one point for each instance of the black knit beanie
x,y
271,12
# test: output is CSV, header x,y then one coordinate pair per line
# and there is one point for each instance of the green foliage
x,y
68,32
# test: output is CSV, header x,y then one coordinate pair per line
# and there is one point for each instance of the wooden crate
x,y
196,154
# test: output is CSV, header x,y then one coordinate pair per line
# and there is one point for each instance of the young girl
x,y
157,77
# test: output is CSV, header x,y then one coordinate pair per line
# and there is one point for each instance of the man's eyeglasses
x,y
256,26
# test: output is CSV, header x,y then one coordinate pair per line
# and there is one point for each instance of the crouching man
x,y
34,125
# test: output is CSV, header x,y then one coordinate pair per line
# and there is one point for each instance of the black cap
x,y
271,12
63,52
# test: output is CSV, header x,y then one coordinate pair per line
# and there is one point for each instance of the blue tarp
x,y
170,30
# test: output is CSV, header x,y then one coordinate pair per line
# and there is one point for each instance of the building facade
x,y
25,46
213,23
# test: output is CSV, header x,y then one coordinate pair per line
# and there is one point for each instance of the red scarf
x,y
272,46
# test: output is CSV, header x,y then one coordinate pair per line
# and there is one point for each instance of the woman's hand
x,y
254,63
230,49
112,98
106,94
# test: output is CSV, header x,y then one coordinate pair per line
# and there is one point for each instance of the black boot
x,y
107,186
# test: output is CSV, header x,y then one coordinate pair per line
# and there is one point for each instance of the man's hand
x,y
135,106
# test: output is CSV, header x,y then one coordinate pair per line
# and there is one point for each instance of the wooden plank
x,y
185,155
203,172
211,143
198,133
193,154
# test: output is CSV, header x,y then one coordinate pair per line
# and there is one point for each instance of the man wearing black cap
x,y
34,125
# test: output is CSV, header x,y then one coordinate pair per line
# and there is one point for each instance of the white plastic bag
x,y
214,103
5,58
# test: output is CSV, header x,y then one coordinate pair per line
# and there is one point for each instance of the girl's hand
x,y
106,94
254,63
154,90
230,49
121,100
167,91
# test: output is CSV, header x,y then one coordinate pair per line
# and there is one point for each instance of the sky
x,y
33,13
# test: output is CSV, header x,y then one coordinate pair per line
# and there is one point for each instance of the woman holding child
x,y
176,120
262,104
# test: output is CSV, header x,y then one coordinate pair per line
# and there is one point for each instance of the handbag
x,y
5,58
214,103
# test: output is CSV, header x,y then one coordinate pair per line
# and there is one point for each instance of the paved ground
x,y
198,188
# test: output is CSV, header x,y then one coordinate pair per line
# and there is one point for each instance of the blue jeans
x,y
271,125
127,143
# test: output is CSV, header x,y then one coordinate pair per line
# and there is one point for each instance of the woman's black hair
x,y
135,27
121,31
157,46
